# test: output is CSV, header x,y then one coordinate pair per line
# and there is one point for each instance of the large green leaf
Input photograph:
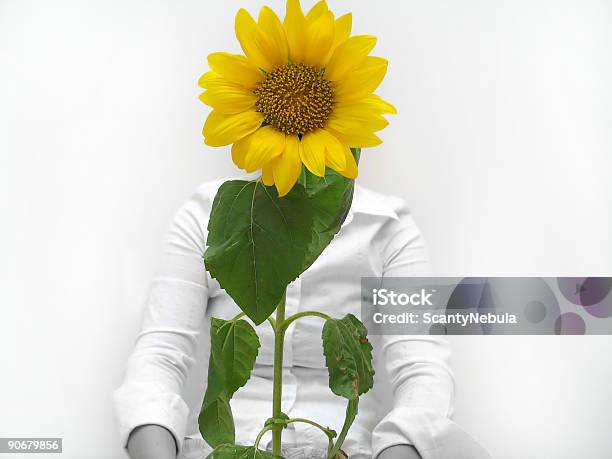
x,y
348,355
257,243
234,348
240,452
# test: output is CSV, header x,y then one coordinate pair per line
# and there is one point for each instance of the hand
x,y
400,452
151,442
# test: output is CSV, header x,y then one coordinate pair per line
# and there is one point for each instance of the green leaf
x,y
331,198
234,348
217,422
235,345
257,243
348,356
351,413
240,452
313,183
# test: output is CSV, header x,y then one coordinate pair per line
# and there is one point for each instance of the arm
x,y
417,366
151,412
400,452
151,442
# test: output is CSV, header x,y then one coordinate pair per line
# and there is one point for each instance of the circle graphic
x,y
592,293
535,311
570,324
530,300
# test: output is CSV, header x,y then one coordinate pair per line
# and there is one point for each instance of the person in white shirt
x,y
406,415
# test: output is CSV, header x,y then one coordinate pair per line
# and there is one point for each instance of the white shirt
x,y
165,378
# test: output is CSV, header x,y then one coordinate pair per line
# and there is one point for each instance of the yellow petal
x,y
252,41
357,119
355,139
351,169
266,144
228,98
377,104
349,56
267,174
288,166
320,37
343,26
271,27
209,79
240,148
236,68
313,152
317,11
220,129
334,151
295,29
362,82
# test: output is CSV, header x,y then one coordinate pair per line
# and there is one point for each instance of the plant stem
x,y
238,317
325,430
242,314
260,435
295,317
279,342
329,433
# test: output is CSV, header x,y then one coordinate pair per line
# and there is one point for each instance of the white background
x,y
502,147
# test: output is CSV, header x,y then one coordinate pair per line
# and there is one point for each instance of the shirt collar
x,y
372,203
365,201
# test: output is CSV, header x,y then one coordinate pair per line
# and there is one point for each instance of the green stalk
x,y
299,315
279,343
326,430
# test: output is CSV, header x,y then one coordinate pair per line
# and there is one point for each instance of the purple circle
x,y
592,293
570,324
595,290
596,297
570,287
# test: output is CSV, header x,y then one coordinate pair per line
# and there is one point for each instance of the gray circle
x,y
535,311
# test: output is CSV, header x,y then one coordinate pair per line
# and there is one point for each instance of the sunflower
x,y
302,93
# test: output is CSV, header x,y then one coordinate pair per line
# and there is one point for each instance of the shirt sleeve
x,y
173,320
418,367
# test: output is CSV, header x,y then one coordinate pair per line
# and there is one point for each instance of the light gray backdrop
x,y
502,148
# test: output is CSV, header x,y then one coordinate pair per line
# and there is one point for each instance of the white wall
x,y
502,147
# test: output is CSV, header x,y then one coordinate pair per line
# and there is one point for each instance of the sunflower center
x,y
295,99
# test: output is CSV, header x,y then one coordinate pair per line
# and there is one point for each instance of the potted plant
x,y
299,106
